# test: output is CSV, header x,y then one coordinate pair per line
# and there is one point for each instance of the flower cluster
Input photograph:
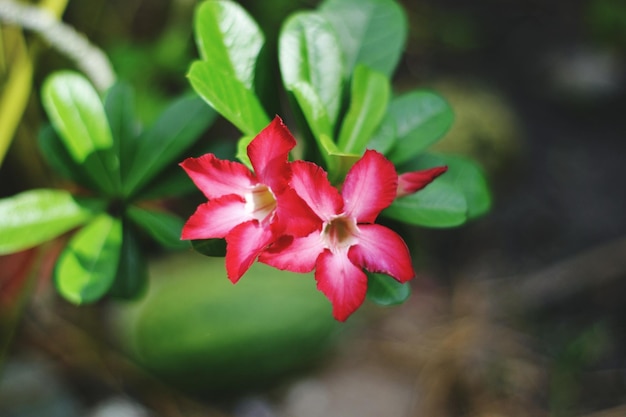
x,y
288,215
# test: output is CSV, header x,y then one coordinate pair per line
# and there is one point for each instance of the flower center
x,y
260,201
340,232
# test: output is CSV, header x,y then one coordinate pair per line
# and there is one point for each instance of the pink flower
x,y
249,209
346,239
411,182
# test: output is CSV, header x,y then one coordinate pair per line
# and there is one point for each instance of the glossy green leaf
x,y
368,105
315,114
229,96
228,39
312,108
36,216
440,204
384,138
131,280
309,53
371,32
422,118
463,174
165,228
77,113
242,151
56,155
384,290
172,182
339,163
87,267
210,247
119,105
178,127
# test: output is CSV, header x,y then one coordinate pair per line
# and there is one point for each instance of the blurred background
x,y
519,313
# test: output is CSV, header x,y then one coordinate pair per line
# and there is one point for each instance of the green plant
x,y
336,67
122,172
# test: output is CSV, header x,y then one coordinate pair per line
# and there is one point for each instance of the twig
x,y
88,58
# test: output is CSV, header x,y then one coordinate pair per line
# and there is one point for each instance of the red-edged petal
x,y
311,183
370,187
217,177
294,216
243,245
382,250
342,282
410,182
216,218
269,154
297,255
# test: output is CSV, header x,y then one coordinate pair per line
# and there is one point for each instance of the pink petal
x,y
269,154
216,218
294,216
342,282
370,186
243,245
311,183
216,177
294,254
410,182
382,250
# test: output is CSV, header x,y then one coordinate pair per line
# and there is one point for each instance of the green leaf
x,y
119,105
315,114
313,109
384,290
172,182
339,163
440,204
36,216
463,174
77,113
55,153
87,266
371,32
165,228
131,280
178,127
309,52
210,247
228,39
242,151
384,137
229,96
368,105
422,118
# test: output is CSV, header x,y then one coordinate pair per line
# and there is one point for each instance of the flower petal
x,y
216,177
243,245
410,182
294,216
370,186
382,250
216,218
269,154
342,282
297,254
311,183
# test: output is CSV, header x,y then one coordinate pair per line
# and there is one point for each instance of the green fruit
x,y
200,332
